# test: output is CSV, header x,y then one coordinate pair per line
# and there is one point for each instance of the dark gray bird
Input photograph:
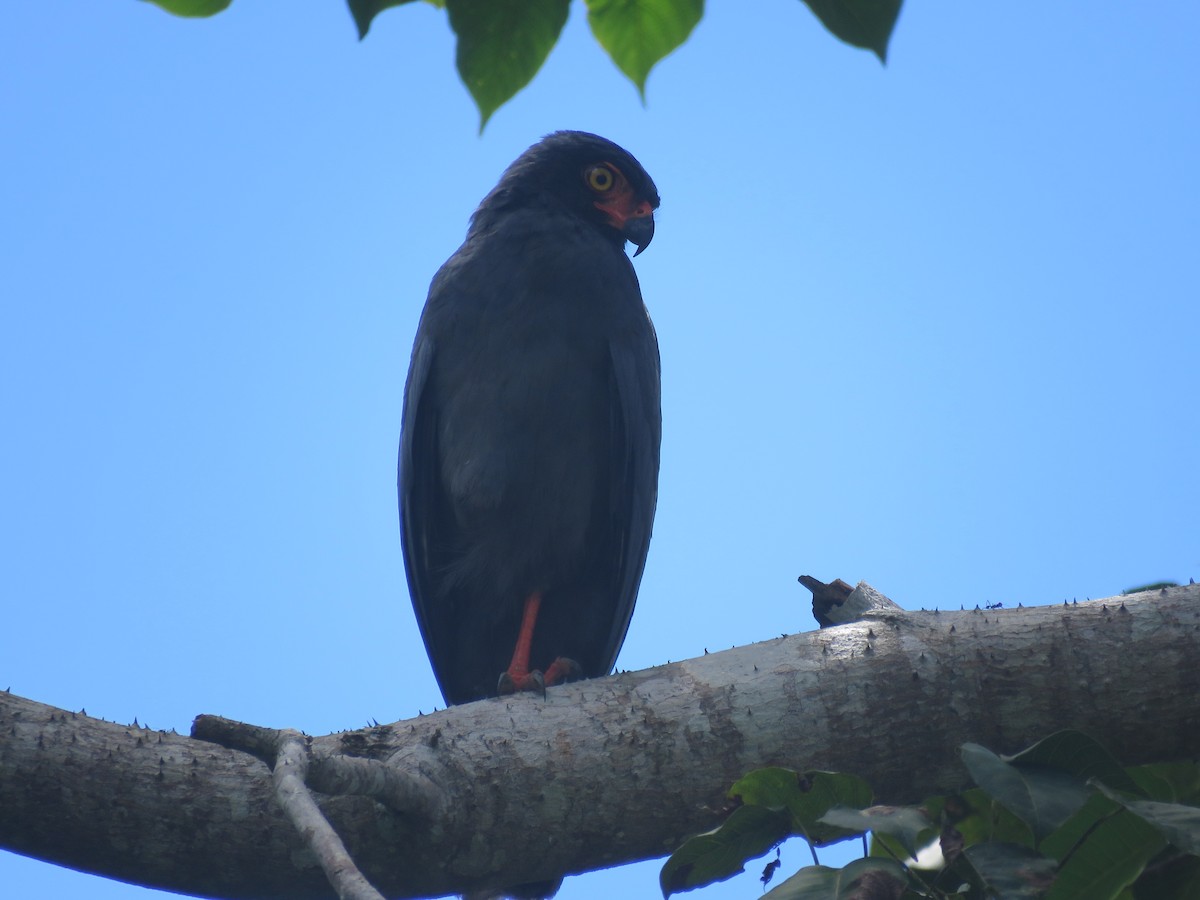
x,y
529,453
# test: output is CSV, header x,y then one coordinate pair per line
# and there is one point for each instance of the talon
x,y
515,682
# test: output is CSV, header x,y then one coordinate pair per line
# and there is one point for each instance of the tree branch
x,y
611,770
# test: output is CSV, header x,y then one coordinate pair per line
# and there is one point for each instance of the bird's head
x,y
593,177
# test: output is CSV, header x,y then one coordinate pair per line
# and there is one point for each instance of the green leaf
x,y
1174,877
193,8
1177,823
982,820
1075,753
856,880
1062,842
1169,782
806,797
1152,586
638,33
910,827
976,818
1042,798
502,44
1010,870
749,831
1108,859
364,11
862,23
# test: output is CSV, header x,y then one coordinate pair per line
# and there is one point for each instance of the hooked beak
x,y
639,230
634,219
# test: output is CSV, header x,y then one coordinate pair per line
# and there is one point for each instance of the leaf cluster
x,y
503,43
1061,820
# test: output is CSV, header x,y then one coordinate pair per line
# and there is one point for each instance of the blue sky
x,y
931,325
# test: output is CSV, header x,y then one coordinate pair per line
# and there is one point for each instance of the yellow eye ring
x,y
600,178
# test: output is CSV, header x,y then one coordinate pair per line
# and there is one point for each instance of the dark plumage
x,y
530,442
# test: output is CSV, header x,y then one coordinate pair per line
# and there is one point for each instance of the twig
x,y
826,597
256,740
406,792
286,752
837,603
291,764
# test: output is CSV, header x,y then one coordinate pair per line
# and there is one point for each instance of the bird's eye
x,y
600,178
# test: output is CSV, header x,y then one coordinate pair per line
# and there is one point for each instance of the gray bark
x,y
607,771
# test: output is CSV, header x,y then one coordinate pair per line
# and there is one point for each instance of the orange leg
x,y
563,669
519,676
518,669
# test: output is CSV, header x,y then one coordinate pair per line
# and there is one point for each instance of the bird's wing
x,y
635,367
422,512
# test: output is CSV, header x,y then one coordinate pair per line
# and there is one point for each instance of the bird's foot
x,y
514,680
562,670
